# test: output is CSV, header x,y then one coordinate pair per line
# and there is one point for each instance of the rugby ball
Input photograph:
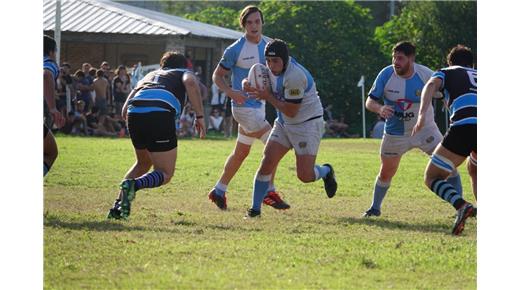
x,y
258,77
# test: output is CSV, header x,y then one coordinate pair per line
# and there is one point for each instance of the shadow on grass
x,y
102,226
397,225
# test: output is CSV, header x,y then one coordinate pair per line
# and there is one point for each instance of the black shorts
x,y
45,130
154,131
461,139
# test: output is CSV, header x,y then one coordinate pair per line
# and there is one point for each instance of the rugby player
x,y
249,113
400,86
299,124
459,84
150,112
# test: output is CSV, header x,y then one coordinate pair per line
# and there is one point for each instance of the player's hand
x,y
418,126
246,86
386,112
200,127
259,94
237,97
57,117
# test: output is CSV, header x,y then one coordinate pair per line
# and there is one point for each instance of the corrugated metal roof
x,y
105,16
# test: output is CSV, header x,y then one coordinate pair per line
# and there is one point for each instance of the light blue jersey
x,y
404,95
239,57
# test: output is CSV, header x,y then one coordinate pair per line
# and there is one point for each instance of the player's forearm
x,y
218,79
195,98
288,109
427,96
373,106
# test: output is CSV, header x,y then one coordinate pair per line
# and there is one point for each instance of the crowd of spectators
x,y
92,100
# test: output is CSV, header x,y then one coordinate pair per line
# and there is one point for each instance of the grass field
x,y
176,238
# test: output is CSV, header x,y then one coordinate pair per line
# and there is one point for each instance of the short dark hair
x,y
100,73
460,55
65,64
79,74
405,47
173,59
49,45
249,9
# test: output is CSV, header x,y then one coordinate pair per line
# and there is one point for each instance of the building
x,y
95,31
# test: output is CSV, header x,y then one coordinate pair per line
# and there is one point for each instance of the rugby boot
x,y
372,212
115,211
330,182
220,201
467,210
273,199
127,196
251,213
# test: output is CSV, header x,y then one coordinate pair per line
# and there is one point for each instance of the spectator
x,y
327,113
101,89
215,120
186,122
378,129
121,87
217,97
84,87
86,69
65,83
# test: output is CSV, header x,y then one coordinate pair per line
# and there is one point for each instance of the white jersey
x,y
296,85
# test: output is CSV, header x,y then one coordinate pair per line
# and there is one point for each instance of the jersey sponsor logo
x,y
403,116
404,104
392,91
418,93
294,92
248,58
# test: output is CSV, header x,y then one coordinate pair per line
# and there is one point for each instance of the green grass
x,y
176,238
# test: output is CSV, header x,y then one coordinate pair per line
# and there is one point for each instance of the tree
x,y
434,27
219,16
334,40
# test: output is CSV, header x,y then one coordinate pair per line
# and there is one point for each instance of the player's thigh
x,y
49,144
305,138
142,157
251,120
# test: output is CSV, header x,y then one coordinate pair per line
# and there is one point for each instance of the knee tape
x,y
245,139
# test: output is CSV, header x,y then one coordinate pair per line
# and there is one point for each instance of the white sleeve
x,y
294,86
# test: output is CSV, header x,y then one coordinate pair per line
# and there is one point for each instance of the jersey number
x,y
472,75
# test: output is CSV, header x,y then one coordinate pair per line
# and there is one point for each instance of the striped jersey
x,y
160,90
239,57
404,96
297,86
51,66
459,85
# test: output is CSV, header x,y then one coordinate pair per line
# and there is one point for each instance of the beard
x,y
403,70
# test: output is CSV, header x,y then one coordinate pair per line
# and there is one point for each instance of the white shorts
x,y
250,119
427,139
305,137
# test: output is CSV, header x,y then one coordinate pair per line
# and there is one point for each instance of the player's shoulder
x,y
386,73
424,72
237,44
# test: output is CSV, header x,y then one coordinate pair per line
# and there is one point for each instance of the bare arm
x,y
289,109
192,88
218,79
384,111
429,90
48,94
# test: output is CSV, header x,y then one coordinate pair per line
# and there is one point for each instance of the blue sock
x,y
220,189
260,190
447,192
320,171
46,168
380,190
456,183
149,180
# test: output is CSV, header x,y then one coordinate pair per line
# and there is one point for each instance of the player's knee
x,y
385,177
